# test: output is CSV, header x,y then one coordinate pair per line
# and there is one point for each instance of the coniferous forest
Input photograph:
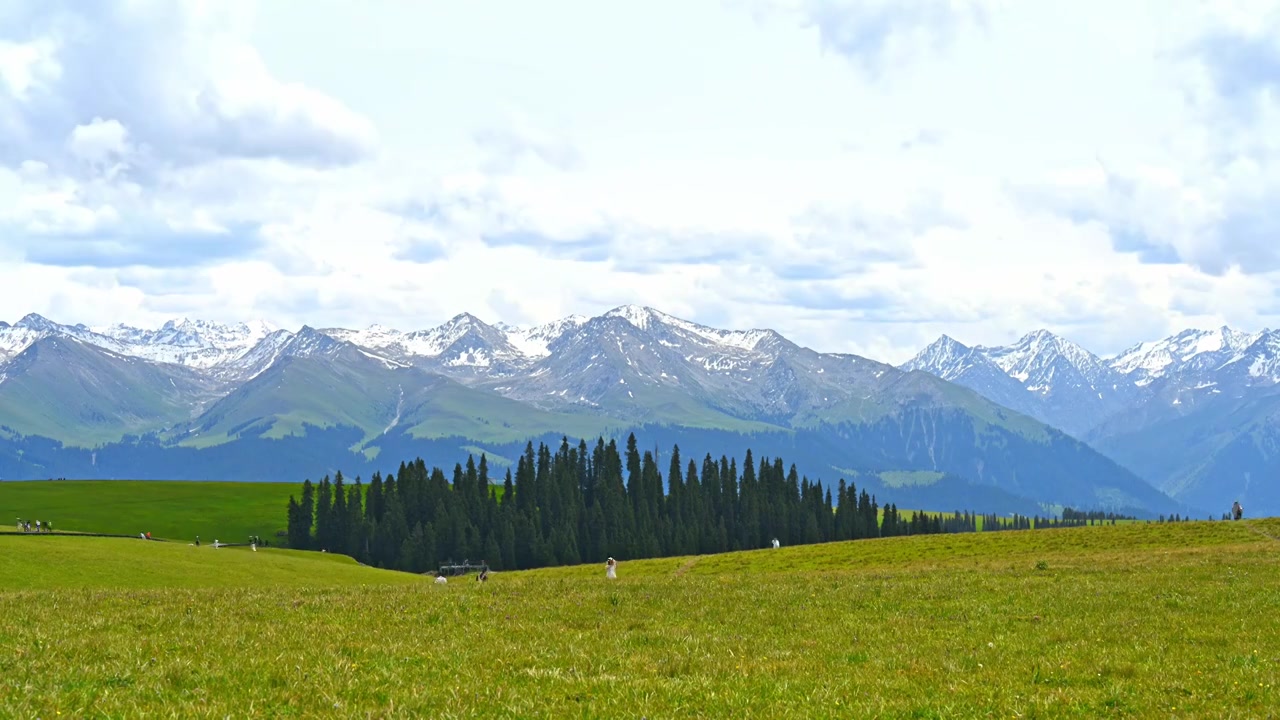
x,y
584,504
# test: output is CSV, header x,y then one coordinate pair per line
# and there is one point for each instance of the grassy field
x,y
1168,620
56,562
228,511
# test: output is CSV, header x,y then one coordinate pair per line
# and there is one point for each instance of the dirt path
x,y
1259,531
688,564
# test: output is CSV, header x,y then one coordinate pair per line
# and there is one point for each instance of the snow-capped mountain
x,y
1079,391
1196,413
463,343
1189,412
194,398
194,343
1042,374
535,341
963,365
1188,352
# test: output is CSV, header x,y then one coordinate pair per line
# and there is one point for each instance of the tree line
x,y
584,504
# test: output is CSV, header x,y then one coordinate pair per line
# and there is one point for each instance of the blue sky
x,y
861,176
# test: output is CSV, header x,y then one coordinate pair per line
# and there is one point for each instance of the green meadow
x,y
228,511
1138,620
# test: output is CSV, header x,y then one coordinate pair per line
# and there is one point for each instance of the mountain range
x,y
1196,414
991,429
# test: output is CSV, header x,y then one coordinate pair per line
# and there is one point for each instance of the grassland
x,y
228,511
51,562
1168,620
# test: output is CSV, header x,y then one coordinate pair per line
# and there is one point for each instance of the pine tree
x,y
324,515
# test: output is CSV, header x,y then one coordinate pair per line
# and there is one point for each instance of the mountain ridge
x,y
1190,413
477,385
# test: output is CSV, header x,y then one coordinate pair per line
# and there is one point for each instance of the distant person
x,y
483,576
1237,510
48,526
776,544
441,579
197,541
610,569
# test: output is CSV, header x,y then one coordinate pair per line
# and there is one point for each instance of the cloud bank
x,y
861,176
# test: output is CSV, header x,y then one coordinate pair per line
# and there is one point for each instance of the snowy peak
x,y
535,342
199,344
464,341
649,320
944,357
37,323
309,342
1037,353
1188,350
186,333
637,315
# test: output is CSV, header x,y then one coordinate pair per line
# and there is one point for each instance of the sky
x,y
861,176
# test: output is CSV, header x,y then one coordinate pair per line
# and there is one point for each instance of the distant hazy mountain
x,y
202,399
1194,413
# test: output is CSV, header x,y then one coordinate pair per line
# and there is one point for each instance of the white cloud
x,y
861,176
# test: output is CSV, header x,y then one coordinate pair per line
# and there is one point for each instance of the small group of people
x,y
41,526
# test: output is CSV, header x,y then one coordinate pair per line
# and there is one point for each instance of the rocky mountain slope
x,y
243,400
1194,413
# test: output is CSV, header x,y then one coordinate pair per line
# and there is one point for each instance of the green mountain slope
x,y
83,395
347,388
323,403
1225,450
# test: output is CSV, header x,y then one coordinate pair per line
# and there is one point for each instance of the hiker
x,y
1237,510
197,541
483,576
48,526
609,569
776,544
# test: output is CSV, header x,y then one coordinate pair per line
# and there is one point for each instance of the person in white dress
x,y
609,569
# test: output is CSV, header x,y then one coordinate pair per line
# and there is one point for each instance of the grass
x,y
1169,620
229,511
53,562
